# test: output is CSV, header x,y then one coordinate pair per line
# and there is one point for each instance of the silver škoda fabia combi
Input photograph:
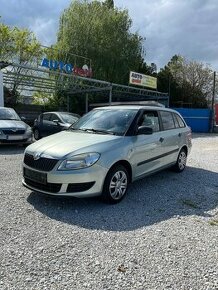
x,y
106,150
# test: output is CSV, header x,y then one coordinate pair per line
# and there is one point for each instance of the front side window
x,y
46,117
167,120
8,114
54,117
111,121
150,119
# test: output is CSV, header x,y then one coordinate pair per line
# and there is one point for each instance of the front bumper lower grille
x,y
79,187
49,187
43,164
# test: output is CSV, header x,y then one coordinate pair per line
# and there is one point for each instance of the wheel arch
x,y
184,147
125,164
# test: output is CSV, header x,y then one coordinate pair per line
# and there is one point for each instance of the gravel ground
x,y
163,235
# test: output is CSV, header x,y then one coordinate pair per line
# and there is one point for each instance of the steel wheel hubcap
x,y
182,160
118,185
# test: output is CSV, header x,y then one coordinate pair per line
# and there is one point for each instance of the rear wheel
x,y
36,134
181,161
116,184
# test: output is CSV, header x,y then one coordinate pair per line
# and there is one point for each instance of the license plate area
x,y
36,176
14,137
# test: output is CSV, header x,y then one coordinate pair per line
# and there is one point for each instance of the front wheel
x,y
115,185
181,161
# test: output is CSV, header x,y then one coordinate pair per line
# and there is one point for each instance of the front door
x,y
147,149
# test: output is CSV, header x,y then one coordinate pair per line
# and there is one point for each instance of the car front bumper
x,y
8,139
85,182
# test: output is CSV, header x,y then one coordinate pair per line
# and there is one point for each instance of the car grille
x,y
44,164
11,132
78,187
49,187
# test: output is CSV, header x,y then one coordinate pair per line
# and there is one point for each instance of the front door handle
x,y
179,134
161,139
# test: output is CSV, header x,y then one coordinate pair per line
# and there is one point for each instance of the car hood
x,y
7,124
62,144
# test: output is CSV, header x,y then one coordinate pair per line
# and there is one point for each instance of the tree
x,y
18,46
189,82
102,35
109,4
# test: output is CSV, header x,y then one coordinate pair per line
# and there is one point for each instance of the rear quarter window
x,y
180,121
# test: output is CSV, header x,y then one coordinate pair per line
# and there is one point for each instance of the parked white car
x,y
12,128
106,150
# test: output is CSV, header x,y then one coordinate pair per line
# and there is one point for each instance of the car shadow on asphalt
x,y
12,149
149,201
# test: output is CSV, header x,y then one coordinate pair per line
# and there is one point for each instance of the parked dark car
x,y
13,129
53,122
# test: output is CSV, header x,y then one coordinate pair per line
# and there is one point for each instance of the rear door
x,y
171,136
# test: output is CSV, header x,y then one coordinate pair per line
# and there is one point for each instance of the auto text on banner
x,y
142,80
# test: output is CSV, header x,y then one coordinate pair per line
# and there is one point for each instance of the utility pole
x,y
212,104
87,102
110,95
1,90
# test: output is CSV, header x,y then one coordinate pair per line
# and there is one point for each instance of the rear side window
x,y
180,121
167,120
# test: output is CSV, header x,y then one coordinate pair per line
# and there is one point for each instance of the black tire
x,y
181,161
36,134
115,184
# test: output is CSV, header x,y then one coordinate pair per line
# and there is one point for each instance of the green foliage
x,y
19,46
103,35
7,48
40,98
109,4
189,83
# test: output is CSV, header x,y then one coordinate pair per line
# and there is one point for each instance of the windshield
x,y
8,114
111,121
68,118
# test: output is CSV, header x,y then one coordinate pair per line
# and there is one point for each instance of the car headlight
x,y
79,161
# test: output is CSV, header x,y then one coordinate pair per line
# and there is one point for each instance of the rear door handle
x,y
179,134
161,139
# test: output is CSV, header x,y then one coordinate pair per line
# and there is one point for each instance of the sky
x,y
185,27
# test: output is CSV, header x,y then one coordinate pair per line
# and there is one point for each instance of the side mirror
x,y
143,130
23,118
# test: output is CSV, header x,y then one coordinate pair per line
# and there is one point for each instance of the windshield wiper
x,y
98,131
75,129
90,130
